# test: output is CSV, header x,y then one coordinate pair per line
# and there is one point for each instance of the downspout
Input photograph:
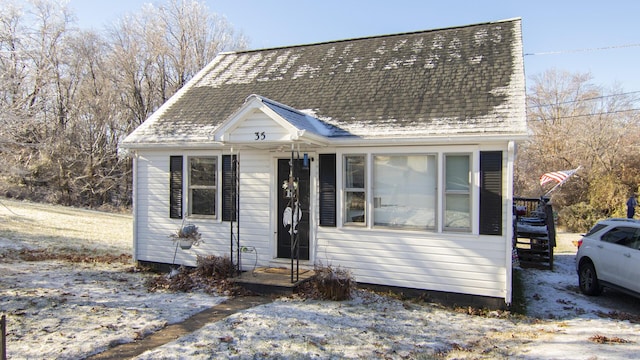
x,y
236,170
511,156
134,207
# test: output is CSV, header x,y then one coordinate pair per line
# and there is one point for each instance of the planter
x,y
185,244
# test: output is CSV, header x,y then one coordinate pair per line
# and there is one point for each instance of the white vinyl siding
x,y
154,227
255,204
440,260
259,128
465,264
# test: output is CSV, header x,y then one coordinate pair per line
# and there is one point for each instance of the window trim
x,y
471,153
445,192
215,187
346,190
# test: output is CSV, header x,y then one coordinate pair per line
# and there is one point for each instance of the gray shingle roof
x,y
459,80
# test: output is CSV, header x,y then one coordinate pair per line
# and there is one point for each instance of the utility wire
x,y
597,114
582,50
586,99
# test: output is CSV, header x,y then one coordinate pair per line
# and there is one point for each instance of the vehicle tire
x,y
588,279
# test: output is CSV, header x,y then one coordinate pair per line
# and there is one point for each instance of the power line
x,y
582,50
585,99
598,114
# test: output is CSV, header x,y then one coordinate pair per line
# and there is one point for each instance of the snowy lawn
x,y
70,310
562,324
58,309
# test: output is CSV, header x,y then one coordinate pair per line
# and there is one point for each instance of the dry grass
x,y
72,256
566,243
58,228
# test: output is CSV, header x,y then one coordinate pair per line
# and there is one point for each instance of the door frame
x,y
275,190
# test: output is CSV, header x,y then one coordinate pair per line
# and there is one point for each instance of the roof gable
x,y
461,80
264,122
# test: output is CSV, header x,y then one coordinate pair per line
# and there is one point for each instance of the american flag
x,y
558,176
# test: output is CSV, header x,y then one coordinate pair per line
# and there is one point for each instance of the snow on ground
x,y
65,310
62,310
68,311
563,325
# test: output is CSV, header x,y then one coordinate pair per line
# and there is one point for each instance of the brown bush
x,y
210,274
333,283
217,267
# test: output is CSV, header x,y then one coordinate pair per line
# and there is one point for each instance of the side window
x,y
457,192
202,185
625,236
354,189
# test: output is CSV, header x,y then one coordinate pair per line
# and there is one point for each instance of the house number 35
x,y
260,135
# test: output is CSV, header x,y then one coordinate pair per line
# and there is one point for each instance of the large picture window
x,y
202,185
419,191
404,191
457,192
354,189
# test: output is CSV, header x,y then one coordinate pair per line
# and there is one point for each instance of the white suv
x,y
609,256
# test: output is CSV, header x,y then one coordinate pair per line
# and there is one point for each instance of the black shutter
x,y
491,192
327,170
229,188
175,187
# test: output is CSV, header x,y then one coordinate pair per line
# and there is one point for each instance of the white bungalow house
x,y
403,149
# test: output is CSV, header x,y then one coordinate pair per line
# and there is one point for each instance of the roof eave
x,y
183,144
429,140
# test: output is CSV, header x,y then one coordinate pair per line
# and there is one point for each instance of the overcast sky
x,y
600,37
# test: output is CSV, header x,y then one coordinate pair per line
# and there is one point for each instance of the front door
x,y
290,216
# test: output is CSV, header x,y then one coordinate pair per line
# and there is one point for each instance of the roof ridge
x,y
319,125
368,37
279,104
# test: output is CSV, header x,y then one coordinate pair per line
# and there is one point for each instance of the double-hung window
x,y
354,189
457,192
202,185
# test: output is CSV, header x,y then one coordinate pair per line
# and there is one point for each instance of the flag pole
x,y
562,182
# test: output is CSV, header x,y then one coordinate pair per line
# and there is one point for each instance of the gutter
x,y
338,141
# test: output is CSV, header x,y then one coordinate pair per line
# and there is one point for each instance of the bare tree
x,y
67,97
159,49
576,123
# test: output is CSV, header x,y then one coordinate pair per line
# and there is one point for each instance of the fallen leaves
x,y
226,339
601,339
71,256
620,316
